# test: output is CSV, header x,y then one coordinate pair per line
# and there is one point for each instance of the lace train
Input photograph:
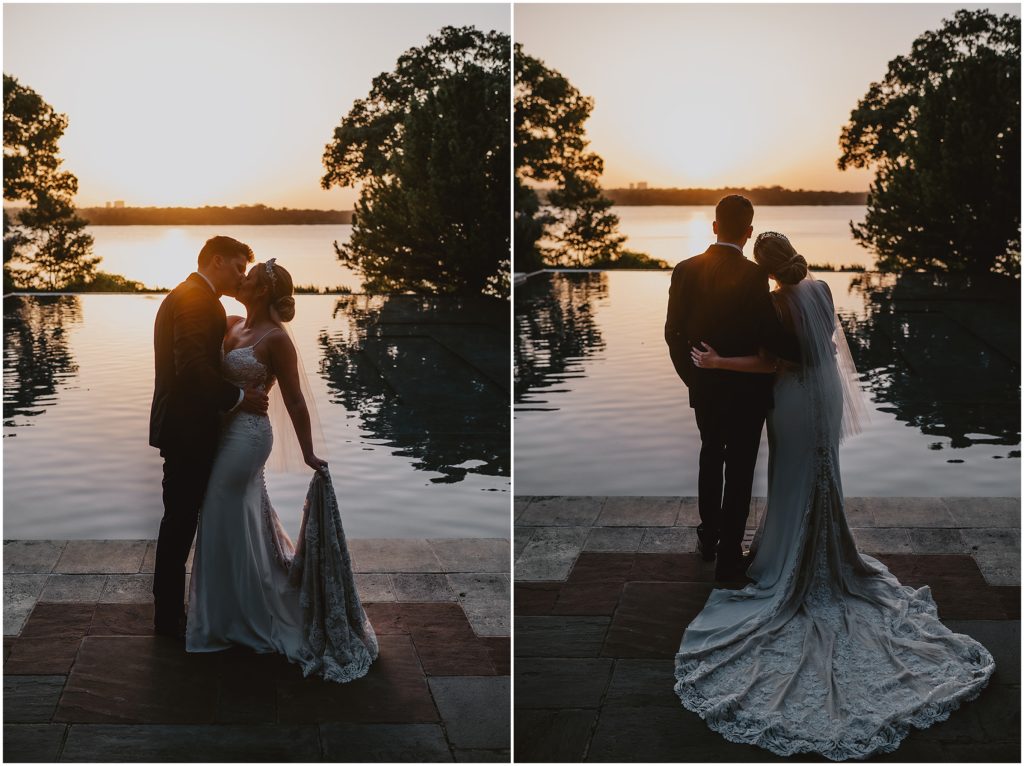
x,y
841,671
339,643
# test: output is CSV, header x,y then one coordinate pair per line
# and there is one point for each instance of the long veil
x,y
286,455
828,369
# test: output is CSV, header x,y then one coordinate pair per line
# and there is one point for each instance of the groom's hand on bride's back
x,y
255,401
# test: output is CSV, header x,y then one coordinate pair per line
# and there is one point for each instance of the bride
x,y
824,651
250,585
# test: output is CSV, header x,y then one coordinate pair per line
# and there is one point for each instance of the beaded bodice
x,y
241,368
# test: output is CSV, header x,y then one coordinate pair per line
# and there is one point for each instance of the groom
x,y
188,398
721,298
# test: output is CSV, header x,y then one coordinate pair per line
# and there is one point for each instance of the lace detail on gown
x,y
339,640
843,667
826,651
251,585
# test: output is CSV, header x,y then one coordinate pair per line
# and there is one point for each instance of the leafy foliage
x,y
48,236
551,146
430,144
942,130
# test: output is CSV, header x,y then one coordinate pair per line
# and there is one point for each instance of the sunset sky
x,y
717,95
212,104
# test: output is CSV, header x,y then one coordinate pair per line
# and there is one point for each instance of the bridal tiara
x,y
269,266
776,235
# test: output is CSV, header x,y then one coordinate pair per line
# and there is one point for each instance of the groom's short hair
x,y
734,214
226,247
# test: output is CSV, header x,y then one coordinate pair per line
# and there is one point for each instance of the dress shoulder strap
x,y
265,335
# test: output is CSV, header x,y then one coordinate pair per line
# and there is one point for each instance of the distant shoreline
x,y
767,196
760,204
242,215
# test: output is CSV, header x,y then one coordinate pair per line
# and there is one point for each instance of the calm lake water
x,y
161,256
78,377
820,233
599,409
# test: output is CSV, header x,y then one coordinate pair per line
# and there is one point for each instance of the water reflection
x,y
427,376
37,360
556,330
942,353
601,411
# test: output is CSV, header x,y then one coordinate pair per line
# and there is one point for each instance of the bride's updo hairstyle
x,y
278,282
776,254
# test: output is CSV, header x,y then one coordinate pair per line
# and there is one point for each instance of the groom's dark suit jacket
x,y
720,297
189,393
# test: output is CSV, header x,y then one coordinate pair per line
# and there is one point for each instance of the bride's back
x,y
806,310
827,371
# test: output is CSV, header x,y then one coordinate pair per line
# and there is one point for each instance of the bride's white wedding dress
x,y
250,586
826,651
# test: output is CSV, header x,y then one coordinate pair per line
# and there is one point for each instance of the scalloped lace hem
x,y
329,669
773,734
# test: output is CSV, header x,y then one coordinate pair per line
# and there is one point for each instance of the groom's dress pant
x,y
186,473
730,436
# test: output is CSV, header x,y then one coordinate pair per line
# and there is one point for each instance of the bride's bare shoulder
x,y
278,341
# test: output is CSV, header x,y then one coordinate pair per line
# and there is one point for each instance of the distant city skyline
x,y
725,95
190,105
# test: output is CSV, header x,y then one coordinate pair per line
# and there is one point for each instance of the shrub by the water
x,y
102,282
631,259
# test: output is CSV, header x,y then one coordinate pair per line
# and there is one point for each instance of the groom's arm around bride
x,y
722,299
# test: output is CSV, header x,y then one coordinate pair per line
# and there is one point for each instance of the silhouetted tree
x,y
431,146
551,146
943,132
48,236
588,231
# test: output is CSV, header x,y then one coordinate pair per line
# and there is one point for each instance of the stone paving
x,y
85,679
605,588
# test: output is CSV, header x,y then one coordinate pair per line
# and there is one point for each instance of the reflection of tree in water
x,y
555,329
941,352
425,375
36,354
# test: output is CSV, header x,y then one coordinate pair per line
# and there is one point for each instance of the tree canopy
x,y
942,131
430,146
551,147
48,236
